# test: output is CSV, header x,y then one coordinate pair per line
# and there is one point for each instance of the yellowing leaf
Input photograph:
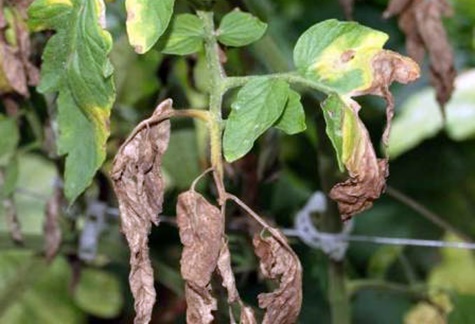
x,y
338,54
76,65
147,20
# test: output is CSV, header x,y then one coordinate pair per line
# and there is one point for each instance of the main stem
x,y
331,223
216,92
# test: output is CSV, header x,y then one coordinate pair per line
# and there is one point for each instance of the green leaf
x,y
185,37
147,20
333,110
463,310
9,138
257,107
292,120
31,291
99,293
382,260
181,159
338,54
239,28
7,187
75,64
37,175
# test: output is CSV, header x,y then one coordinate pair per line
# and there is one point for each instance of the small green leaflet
x,y
147,20
185,37
239,28
258,105
292,120
338,54
76,65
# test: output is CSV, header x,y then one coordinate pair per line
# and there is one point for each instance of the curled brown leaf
x,y
422,23
367,173
279,262
201,232
139,187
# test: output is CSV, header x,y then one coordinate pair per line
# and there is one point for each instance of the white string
x,y
334,245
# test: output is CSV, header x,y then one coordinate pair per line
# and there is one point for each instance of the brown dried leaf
x,y
387,67
395,7
200,303
51,227
201,232
229,282
347,6
139,187
421,21
16,70
279,262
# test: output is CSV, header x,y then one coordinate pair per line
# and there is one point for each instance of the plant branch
x,y
216,92
429,215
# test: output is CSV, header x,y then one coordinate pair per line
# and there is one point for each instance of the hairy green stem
x,y
216,92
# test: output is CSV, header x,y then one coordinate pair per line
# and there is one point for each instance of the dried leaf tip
x,y
139,186
279,262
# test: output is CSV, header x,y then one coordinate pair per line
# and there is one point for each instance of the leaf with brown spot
x,y
139,186
201,232
279,262
421,21
51,226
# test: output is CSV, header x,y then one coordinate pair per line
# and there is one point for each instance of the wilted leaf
x,y
139,187
147,20
201,232
387,67
30,289
258,105
186,35
353,145
279,262
75,64
239,28
51,226
421,21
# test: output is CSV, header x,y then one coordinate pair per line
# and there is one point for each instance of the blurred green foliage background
x,y
87,282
